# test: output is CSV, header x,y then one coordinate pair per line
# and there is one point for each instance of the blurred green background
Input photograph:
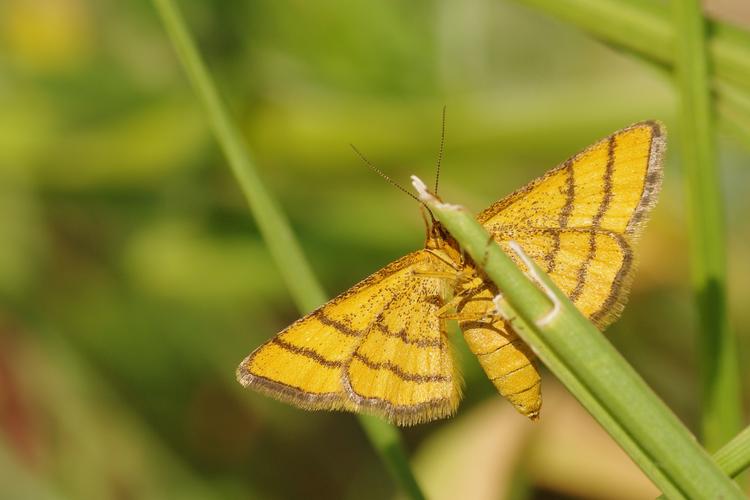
x,y
133,279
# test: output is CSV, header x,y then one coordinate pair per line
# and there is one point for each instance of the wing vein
x,y
567,209
596,221
396,370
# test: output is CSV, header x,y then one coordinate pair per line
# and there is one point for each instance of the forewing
x,y
404,368
580,220
378,348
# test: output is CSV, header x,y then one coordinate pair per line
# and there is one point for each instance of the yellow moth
x,y
381,347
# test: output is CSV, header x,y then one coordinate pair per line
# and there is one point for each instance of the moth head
x,y
438,238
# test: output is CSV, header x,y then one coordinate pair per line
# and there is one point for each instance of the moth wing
x,y
594,268
581,219
378,348
578,222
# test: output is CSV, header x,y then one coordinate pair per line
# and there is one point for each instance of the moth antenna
x,y
384,176
440,152
426,223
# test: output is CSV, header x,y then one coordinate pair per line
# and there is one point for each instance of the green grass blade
x,y
388,443
645,27
595,373
734,457
722,413
733,111
273,225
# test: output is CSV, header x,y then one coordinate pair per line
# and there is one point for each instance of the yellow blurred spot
x,y
46,35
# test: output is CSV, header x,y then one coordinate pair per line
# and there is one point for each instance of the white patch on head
x,y
427,197
421,187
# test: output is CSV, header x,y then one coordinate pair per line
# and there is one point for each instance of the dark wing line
x,y
656,150
297,395
622,278
321,316
609,308
435,408
652,184
396,370
287,393
596,221
308,353
375,278
570,195
346,398
401,334
651,187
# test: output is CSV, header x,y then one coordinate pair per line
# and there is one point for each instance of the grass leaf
x,y
276,231
594,372
722,412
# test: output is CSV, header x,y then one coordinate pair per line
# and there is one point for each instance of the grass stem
x,y
646,29
277,233
594,372
722,414
734,457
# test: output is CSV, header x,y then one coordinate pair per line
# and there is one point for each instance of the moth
x,y
381,347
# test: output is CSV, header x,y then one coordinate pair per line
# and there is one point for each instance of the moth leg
x,y
500,309
458,278
447,314
435,274
447,311
489,315
533,273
